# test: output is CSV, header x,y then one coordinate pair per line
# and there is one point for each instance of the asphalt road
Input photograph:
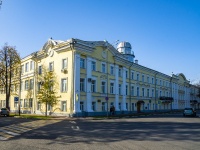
x,y
160,132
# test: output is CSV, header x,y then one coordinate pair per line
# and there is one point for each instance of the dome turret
x,y
126,49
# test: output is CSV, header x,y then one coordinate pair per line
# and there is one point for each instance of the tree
x,y
9,70
47,88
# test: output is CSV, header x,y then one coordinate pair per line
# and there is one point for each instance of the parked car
x,y
189,112
4,112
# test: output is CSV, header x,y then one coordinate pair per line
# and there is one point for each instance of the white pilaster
x,y
76,96
116,87
124,89
88,83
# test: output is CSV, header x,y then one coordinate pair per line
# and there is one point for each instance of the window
x,y
132,90
112,88
120,86
94,106
138,91
16,104
156,81
93,86
132,75
120,72
133,105
103,68
51,66
26,85
26,103
103,106
82,63
93,66
138,77
142,78
63,85
64,63
40,70
103,87
63,106
143,92
126,74
82,84
152,81
31,83
112,70
126,89
148,93
26,67
160,82
148,80
31,65
160,93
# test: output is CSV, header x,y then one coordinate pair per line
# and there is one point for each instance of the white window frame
x,y
103,67
63,106
51,66
93,86
112,85
82,63
63,85
103,87
82,84
112,72
93,65
64,64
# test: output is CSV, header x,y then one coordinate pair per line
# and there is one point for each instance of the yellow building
x,y
93,76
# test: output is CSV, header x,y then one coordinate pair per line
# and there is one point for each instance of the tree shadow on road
x,y
104,131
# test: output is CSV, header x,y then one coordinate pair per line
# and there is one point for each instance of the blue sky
x,y
164,34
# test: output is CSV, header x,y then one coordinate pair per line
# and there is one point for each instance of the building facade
x,y
93,76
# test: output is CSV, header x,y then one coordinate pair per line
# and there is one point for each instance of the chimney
x,y
136,61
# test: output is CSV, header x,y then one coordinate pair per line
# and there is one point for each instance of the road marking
x,y
2,138
72,122
75,127
9,132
